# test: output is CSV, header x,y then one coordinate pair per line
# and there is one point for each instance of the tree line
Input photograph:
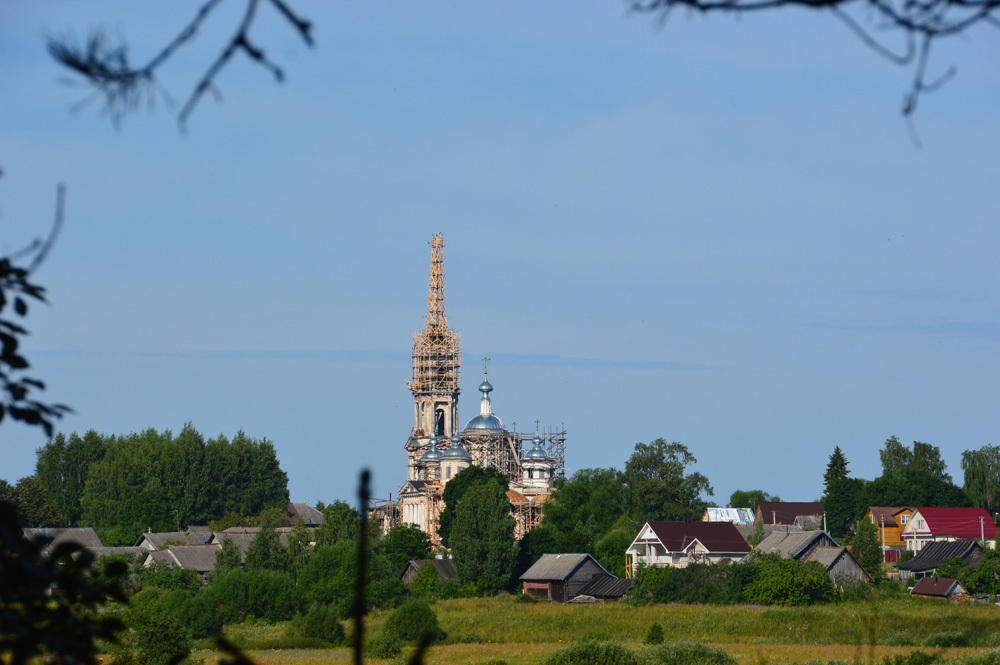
x,y
124,485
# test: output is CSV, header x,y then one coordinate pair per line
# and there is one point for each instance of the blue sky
x,y
718,232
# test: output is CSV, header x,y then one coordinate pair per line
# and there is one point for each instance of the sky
x,y
716,231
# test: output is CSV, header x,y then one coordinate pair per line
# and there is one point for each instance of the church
x,y
437,448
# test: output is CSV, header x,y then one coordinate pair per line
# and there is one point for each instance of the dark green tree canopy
x,y
482,538
658,485
750,498
981,470
457,488
922,459
836,469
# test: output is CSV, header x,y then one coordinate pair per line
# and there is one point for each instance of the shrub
x,y
320,622
655,634
414,619
948,638
690,653
525,598
594,653
385,645
855,589
153,638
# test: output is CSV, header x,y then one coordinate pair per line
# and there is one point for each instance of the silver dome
x,y
485,422
456,452
537,452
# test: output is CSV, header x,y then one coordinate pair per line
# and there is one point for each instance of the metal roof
x,y
195,557
303,512
606,586
938,587
956,522
936,553
485,422
785,512
791,544
714,536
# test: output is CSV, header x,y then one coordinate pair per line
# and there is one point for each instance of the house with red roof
x,y
679,544
928,525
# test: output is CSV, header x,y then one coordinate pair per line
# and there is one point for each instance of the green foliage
x,y
384,645
48,603
948,638
426,582
609,550
984,577
228,558
923,459
757,536
981,471
866,548
906,556
482,539
696,583
266,551
852,589
406,542
594,653
657,487
152,480
268,594
34,507
413,620
340,525
846,501
750,498
153,638
320,622
299,548
456,488
329,578
654,635
690,653
836,469
778,581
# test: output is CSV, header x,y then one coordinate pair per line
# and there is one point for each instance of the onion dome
x,y
488,421
432,454
537,452
456,451
485,387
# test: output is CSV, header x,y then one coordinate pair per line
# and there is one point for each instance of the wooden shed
x,y
560,577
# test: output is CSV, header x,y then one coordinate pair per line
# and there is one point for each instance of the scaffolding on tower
x,y
437,350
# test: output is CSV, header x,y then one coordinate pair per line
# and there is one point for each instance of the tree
x,y
457,488
847,499
266,551
866,548
750,499
836,469
299,548
340,524
227,558
923,459
482,539
406,542
582,509
33,505
657,487
981,469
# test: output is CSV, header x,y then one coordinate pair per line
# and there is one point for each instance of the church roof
x,y
486,422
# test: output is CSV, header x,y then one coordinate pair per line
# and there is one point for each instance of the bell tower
x,y
437,359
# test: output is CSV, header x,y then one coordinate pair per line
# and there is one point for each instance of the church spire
x,y
435,299
437,350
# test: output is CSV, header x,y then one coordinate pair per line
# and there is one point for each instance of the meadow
x,y
484,629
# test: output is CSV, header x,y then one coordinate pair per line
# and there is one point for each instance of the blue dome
x,y
432,454
485,387
537,452
456,452
490,422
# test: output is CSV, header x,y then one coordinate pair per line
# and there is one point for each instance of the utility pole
x,y
982,530
774,520
824,520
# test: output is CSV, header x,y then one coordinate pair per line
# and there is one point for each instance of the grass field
x,y
481,629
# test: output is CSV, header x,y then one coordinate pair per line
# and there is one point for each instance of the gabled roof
x,y
956,522
936,553
829,556
785,512
417,486
131,553
937,587
714,536
606,586
303,512
556,567
82,536
159,539
445,568
792,544
195,557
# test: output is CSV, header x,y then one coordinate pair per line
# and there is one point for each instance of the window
x,y
447,472
903,519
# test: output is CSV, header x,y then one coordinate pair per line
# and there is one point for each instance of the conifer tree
x,y
836,469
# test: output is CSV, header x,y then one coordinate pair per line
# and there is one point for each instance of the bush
x,y
320,622
855,589
690,653
414,619
594,653
655,634
384,645
948,638
153,638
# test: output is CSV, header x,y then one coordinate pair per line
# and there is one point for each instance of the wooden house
x,y
444,568
199,558
817,546
54,536
785,512
159,540
303,512
927,525
679,544
890,522
933,555
941,588
560,577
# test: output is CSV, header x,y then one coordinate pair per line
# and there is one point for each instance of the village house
x,y
816,546
158,540
927,525
932,555
560,577
199,558
890,522
941,588
85,537
444,568
679,544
